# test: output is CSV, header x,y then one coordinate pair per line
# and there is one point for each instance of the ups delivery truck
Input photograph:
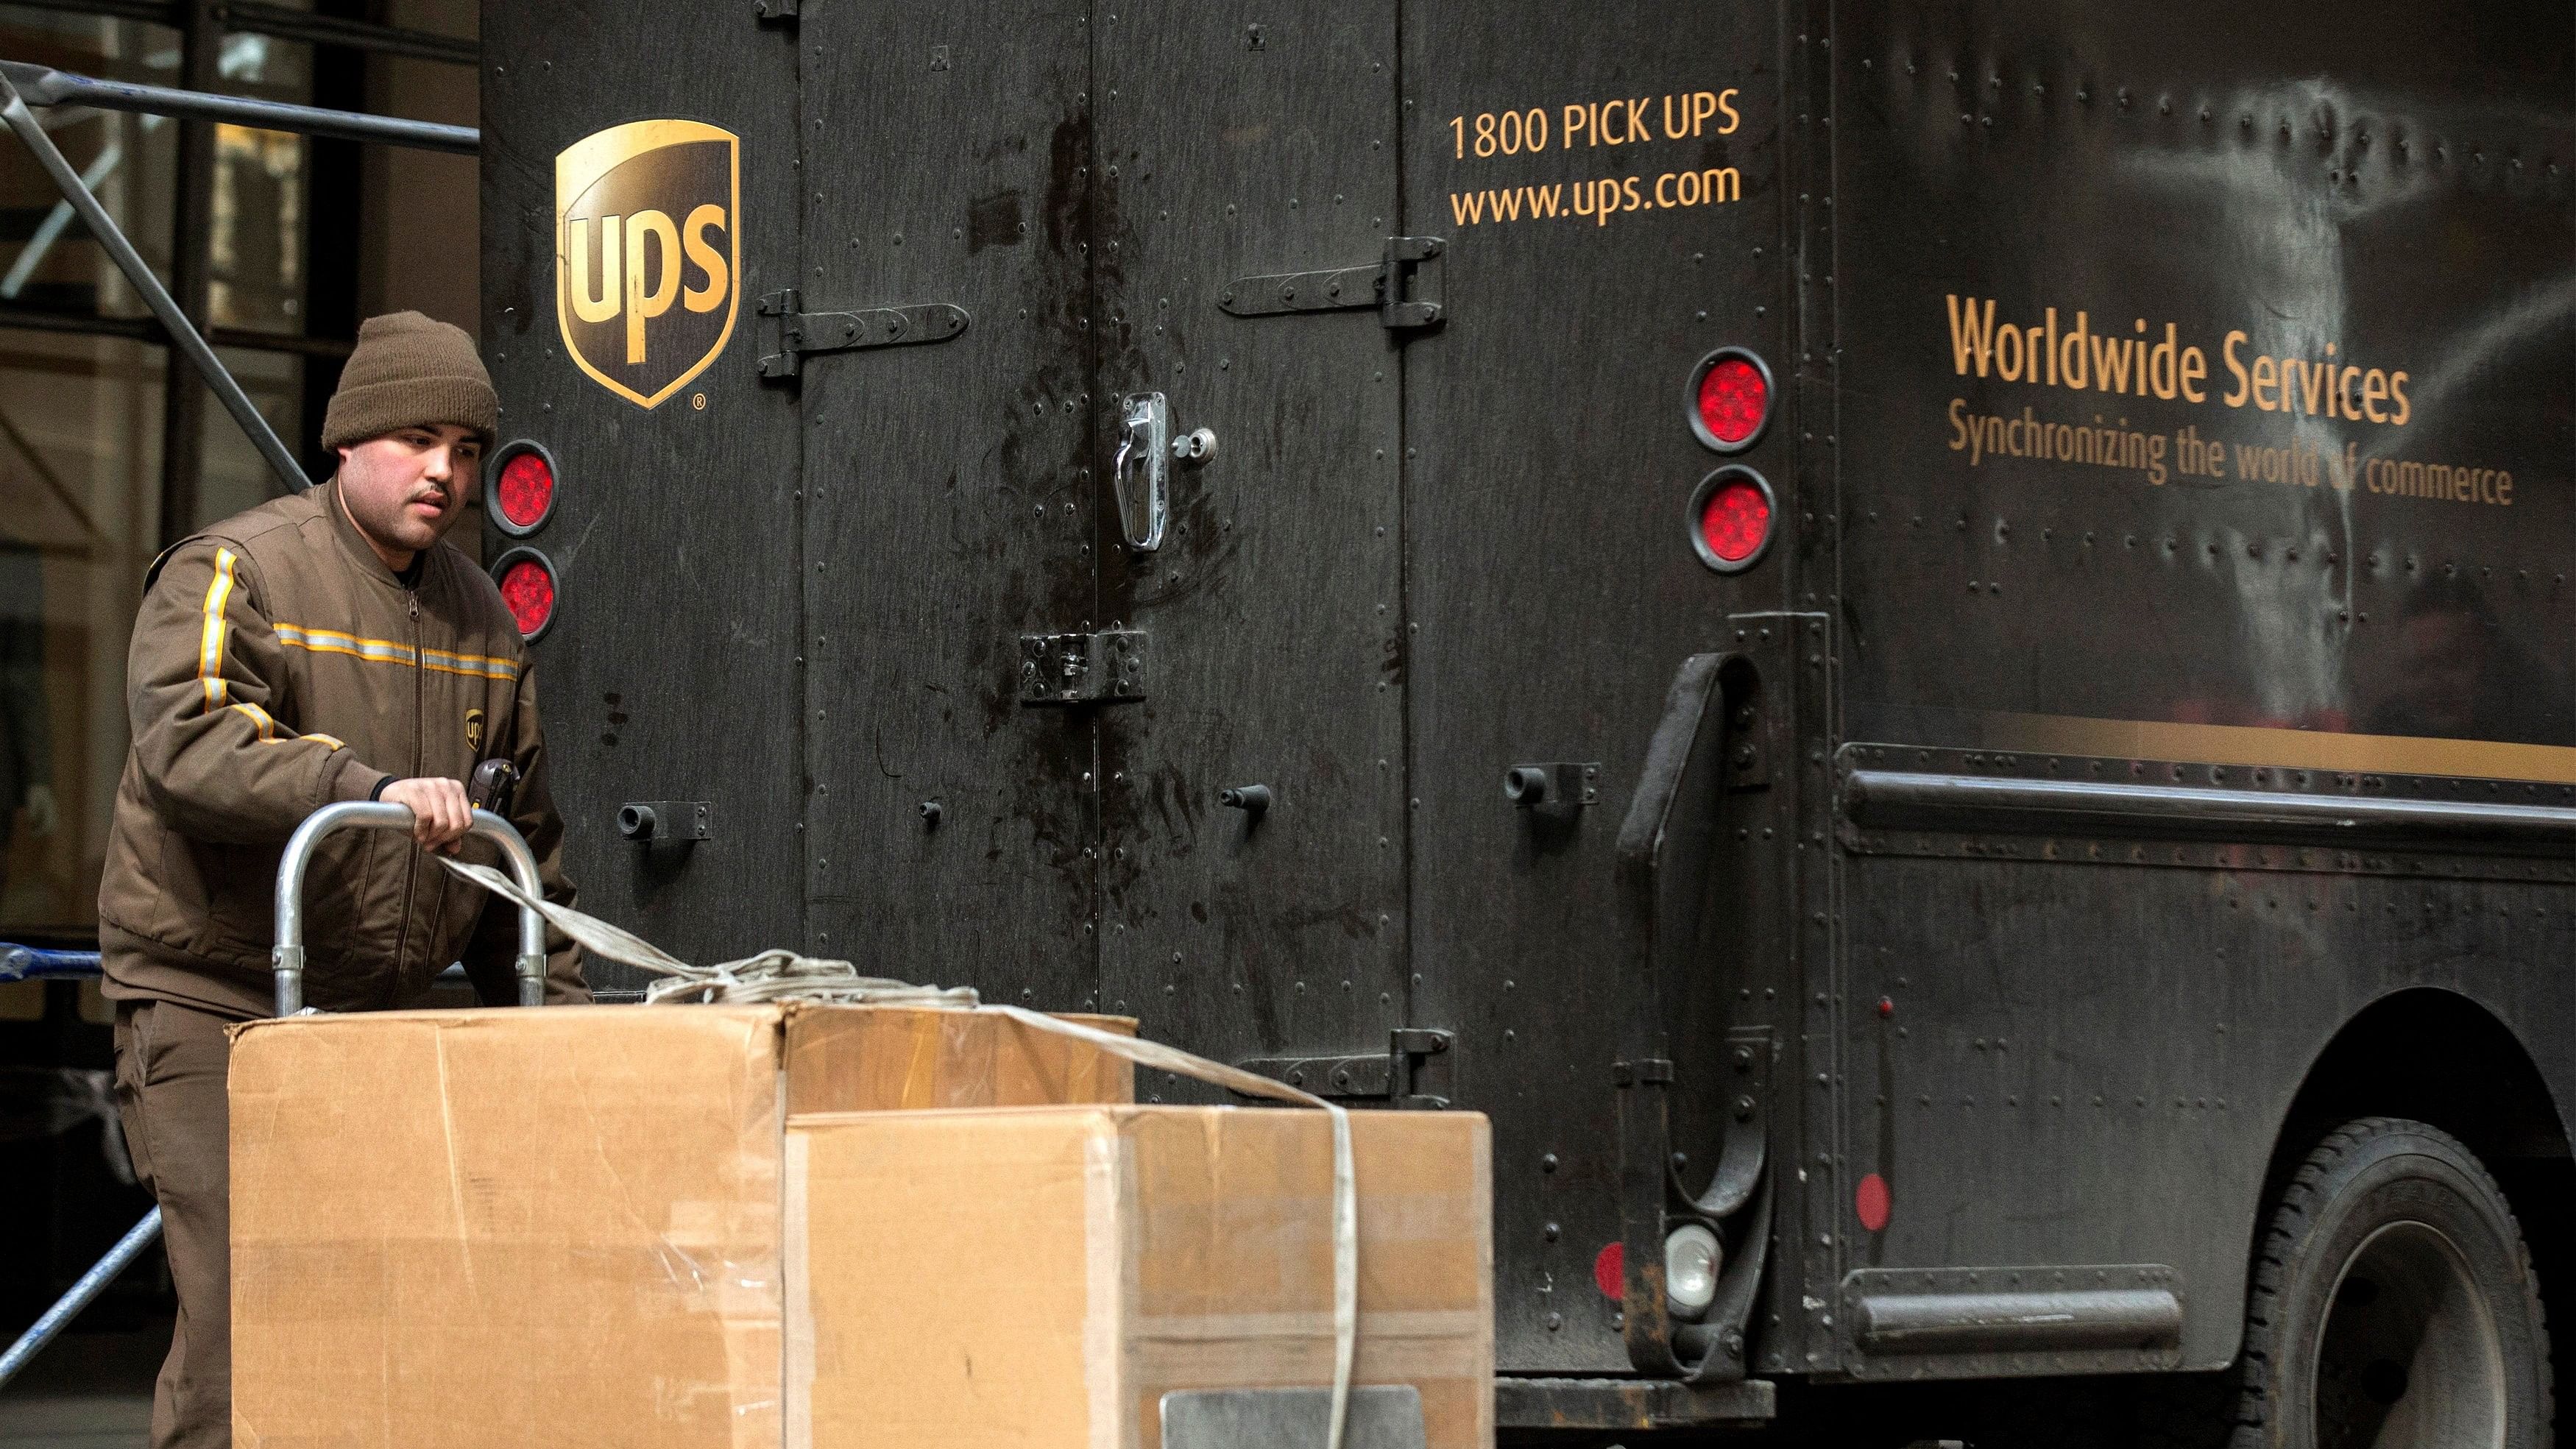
x,y
1928,645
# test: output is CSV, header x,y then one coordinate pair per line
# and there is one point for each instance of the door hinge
x,y
1404,287
798,334
1393,1076
1107,667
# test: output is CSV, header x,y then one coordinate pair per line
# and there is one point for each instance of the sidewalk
x,y
86,1391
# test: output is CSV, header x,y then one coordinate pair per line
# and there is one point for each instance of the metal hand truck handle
x,y
288,959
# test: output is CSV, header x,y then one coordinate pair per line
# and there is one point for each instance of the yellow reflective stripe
x,y
388,651
268,727
474,665
443,656
332,641
260,717
210,638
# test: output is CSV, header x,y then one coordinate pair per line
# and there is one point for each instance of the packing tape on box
x,y
781,975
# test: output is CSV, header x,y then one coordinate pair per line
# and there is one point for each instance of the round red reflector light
x,y
527,581
1871,1202
523,488
1731,516
1610,1270
1730,399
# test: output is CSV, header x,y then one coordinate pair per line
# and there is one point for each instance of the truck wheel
x,y
2393,1304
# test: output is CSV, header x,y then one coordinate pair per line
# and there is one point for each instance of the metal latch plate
x,y
1382,1416
1107,667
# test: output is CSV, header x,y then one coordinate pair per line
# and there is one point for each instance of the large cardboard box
x,y
558,1228
1042,1278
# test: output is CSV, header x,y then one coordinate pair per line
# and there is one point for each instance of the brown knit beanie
x,y
408,370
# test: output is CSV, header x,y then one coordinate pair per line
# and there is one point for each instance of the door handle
x,y
1141,472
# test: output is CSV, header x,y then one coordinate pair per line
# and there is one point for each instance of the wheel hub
x,y
2410,1357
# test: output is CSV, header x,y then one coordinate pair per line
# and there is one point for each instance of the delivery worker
x,y
314,649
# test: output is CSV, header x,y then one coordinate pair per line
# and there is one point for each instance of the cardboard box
x,y
561,1227
1041,1278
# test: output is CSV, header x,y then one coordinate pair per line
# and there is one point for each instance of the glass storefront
x,y
294,244
80,499
82,394
47,262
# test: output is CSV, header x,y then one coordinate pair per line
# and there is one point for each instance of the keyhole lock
x,y
1195,446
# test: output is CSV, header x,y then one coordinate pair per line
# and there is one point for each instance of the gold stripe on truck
x,y
2279,748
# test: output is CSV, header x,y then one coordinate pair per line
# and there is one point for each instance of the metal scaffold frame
x,y
23,87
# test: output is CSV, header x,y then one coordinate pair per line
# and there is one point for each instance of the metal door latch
x,y
800,334
666,822
1107,667
1141,472
1402,286
1561,782
1392,1076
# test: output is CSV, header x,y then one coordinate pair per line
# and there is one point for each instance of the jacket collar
x,y
354,543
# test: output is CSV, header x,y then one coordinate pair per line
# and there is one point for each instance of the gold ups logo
x,y
648,253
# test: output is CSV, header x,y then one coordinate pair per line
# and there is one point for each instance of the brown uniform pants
x,y
170,1066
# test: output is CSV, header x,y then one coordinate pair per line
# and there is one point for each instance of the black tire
x,y
2393,1304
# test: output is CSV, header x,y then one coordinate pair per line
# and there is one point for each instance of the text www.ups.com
x,y
1598,201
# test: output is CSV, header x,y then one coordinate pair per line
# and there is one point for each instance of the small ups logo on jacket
x,y
648,253
474,729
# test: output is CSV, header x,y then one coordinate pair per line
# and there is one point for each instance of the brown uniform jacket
x,y
278,666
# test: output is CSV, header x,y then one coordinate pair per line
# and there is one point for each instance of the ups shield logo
x,y
648,253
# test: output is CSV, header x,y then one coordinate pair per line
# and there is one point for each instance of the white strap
x,y
775,975
1346,1230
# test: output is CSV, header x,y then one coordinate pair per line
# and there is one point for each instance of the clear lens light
x,y
1691,1261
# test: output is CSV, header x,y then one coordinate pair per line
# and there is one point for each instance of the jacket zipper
x,y
419,705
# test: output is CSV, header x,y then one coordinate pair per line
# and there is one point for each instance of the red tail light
x,y
523,488
527,580
1610,1271
1731,514
1730,399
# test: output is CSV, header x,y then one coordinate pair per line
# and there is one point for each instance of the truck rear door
x,y
950,830
1229,150
1022,701
1609,181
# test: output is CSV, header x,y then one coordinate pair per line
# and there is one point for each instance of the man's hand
x,y
439,812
